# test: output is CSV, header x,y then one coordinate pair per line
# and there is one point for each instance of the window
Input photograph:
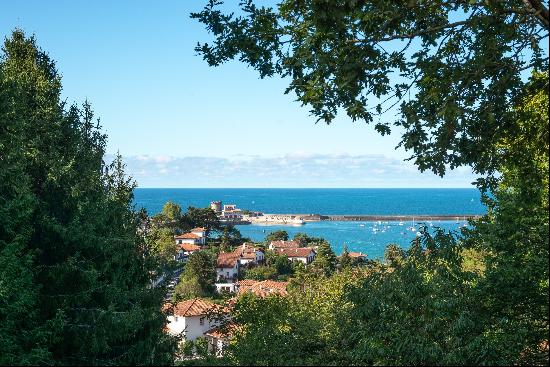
x,y
201,321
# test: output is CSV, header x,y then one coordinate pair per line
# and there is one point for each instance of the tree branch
x,y
537,9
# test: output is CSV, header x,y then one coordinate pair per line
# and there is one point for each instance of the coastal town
x,y
208,319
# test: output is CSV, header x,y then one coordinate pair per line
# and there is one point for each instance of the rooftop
x,y
187,236
284,244
193,307
295,252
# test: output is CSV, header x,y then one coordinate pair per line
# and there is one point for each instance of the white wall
x,y
224,273
219,287
190,325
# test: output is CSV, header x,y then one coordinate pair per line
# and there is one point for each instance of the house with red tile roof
x,y
250,254
283,244
190,318
303,254
188,248
196,236
227,266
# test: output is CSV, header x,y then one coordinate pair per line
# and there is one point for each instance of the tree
x,y
189,287
276,236
280,262
230,238
345,260
451,68
325,260
201,266
73,269
513,236
202,217
260,273
393,254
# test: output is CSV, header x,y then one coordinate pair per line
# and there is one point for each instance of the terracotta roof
x,y
198,229
189,247
187,236
246,251
295,252
225,331
263,288
284,244
227,259
357,254
193,307
246,282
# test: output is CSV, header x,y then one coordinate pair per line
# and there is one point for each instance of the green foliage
x,y
189,287
393,254
201,268
230,238
260,273
276,236
202,217
74,272
281,263
325,260
201,347
345,261
305,241
358,57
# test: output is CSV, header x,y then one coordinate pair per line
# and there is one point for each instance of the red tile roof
x,y
284,244
227,259
198,229
193,307
246,251
189,247
187,236
295,252
262,288
357,254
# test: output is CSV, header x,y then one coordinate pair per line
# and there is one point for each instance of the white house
x,y
187,249
227,266
189,318
248,254
303,254
197,236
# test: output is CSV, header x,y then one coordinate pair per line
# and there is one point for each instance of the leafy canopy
x,y
448,70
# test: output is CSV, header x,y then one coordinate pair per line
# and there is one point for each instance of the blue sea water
x,y
367,237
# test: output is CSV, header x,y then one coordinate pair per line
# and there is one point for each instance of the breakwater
x,y
292,218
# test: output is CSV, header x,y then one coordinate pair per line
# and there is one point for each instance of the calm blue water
x,y
357,237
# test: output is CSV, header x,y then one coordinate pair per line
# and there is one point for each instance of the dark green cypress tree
x,y
67,218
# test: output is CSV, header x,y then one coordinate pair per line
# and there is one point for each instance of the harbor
x,y
231,214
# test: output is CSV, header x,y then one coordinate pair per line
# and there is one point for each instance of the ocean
x,y
367,237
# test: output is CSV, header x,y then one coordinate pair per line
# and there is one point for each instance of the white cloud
x,y
292,170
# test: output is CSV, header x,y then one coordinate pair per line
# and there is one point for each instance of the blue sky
x,y
180,123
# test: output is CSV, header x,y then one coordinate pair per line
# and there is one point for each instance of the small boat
x,y
400,223
418,234
361,225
